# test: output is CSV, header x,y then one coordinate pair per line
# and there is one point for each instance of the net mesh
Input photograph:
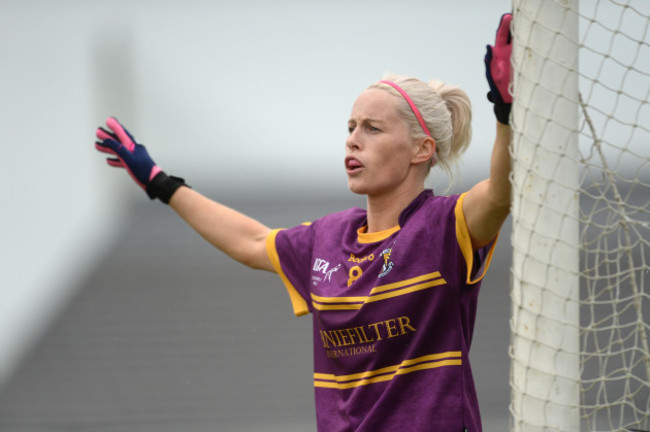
x,y
612,218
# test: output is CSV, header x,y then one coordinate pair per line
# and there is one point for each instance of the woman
x,y
393,288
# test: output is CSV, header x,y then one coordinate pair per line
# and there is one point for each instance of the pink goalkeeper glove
x,y
128,154
498,70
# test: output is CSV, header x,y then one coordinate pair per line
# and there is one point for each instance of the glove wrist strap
x,y
501,110
163,186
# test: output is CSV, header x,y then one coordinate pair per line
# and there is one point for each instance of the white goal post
x,y
581,216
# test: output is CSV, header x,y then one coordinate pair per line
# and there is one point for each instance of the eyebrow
x,y
366,121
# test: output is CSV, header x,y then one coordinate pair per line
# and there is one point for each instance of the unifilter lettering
x,y
368,333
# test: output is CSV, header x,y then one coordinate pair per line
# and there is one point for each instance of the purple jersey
x,y
393,316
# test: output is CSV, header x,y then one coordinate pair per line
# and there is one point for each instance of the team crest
x,y
387,266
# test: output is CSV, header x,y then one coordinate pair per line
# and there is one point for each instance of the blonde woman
x,y
392,288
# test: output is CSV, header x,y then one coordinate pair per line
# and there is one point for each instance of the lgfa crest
x,y
388,264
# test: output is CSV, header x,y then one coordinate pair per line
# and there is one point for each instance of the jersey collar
x,y
365,237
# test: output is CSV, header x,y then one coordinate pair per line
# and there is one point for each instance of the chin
x,y
356,188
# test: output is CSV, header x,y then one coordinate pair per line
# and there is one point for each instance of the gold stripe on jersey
x,y
396,293
465,243
342,306
405,282
378,293
338,299
432,361
299,304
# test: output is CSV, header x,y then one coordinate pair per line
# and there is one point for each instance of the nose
x,y
352,142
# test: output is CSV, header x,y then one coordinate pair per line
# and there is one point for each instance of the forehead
x,y
375,104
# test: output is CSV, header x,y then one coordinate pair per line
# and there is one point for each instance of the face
x,y
379,148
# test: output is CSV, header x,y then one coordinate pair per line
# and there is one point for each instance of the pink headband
x,y
411,104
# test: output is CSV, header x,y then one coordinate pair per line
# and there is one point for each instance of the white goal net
x,y
581,215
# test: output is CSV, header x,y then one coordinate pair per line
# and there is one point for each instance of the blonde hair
x,y
447,112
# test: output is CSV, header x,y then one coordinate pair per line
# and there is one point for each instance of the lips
x,y
352,165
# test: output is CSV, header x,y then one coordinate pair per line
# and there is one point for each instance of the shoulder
x,y
354,213
331,225
443,201
349,219
436,208
433,221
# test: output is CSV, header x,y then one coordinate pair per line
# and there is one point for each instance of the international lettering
x,y
366,334
347,352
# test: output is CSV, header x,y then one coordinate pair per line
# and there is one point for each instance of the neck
x,y
383,211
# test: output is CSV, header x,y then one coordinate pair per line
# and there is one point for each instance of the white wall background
x,y
237,97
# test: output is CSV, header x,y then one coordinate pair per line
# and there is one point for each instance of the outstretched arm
x,y
487,205
240,237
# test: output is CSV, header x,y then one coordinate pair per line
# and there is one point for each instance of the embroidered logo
x,y
322,266
355,259
388,264
328,274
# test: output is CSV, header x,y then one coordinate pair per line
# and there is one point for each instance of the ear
x,y
424,151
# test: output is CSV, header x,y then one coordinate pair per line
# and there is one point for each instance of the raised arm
x,y
237,235
487,205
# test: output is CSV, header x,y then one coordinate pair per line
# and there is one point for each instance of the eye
x,y
372,128
351,128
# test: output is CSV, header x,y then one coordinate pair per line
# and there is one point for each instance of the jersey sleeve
x,y
477,261
290,253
